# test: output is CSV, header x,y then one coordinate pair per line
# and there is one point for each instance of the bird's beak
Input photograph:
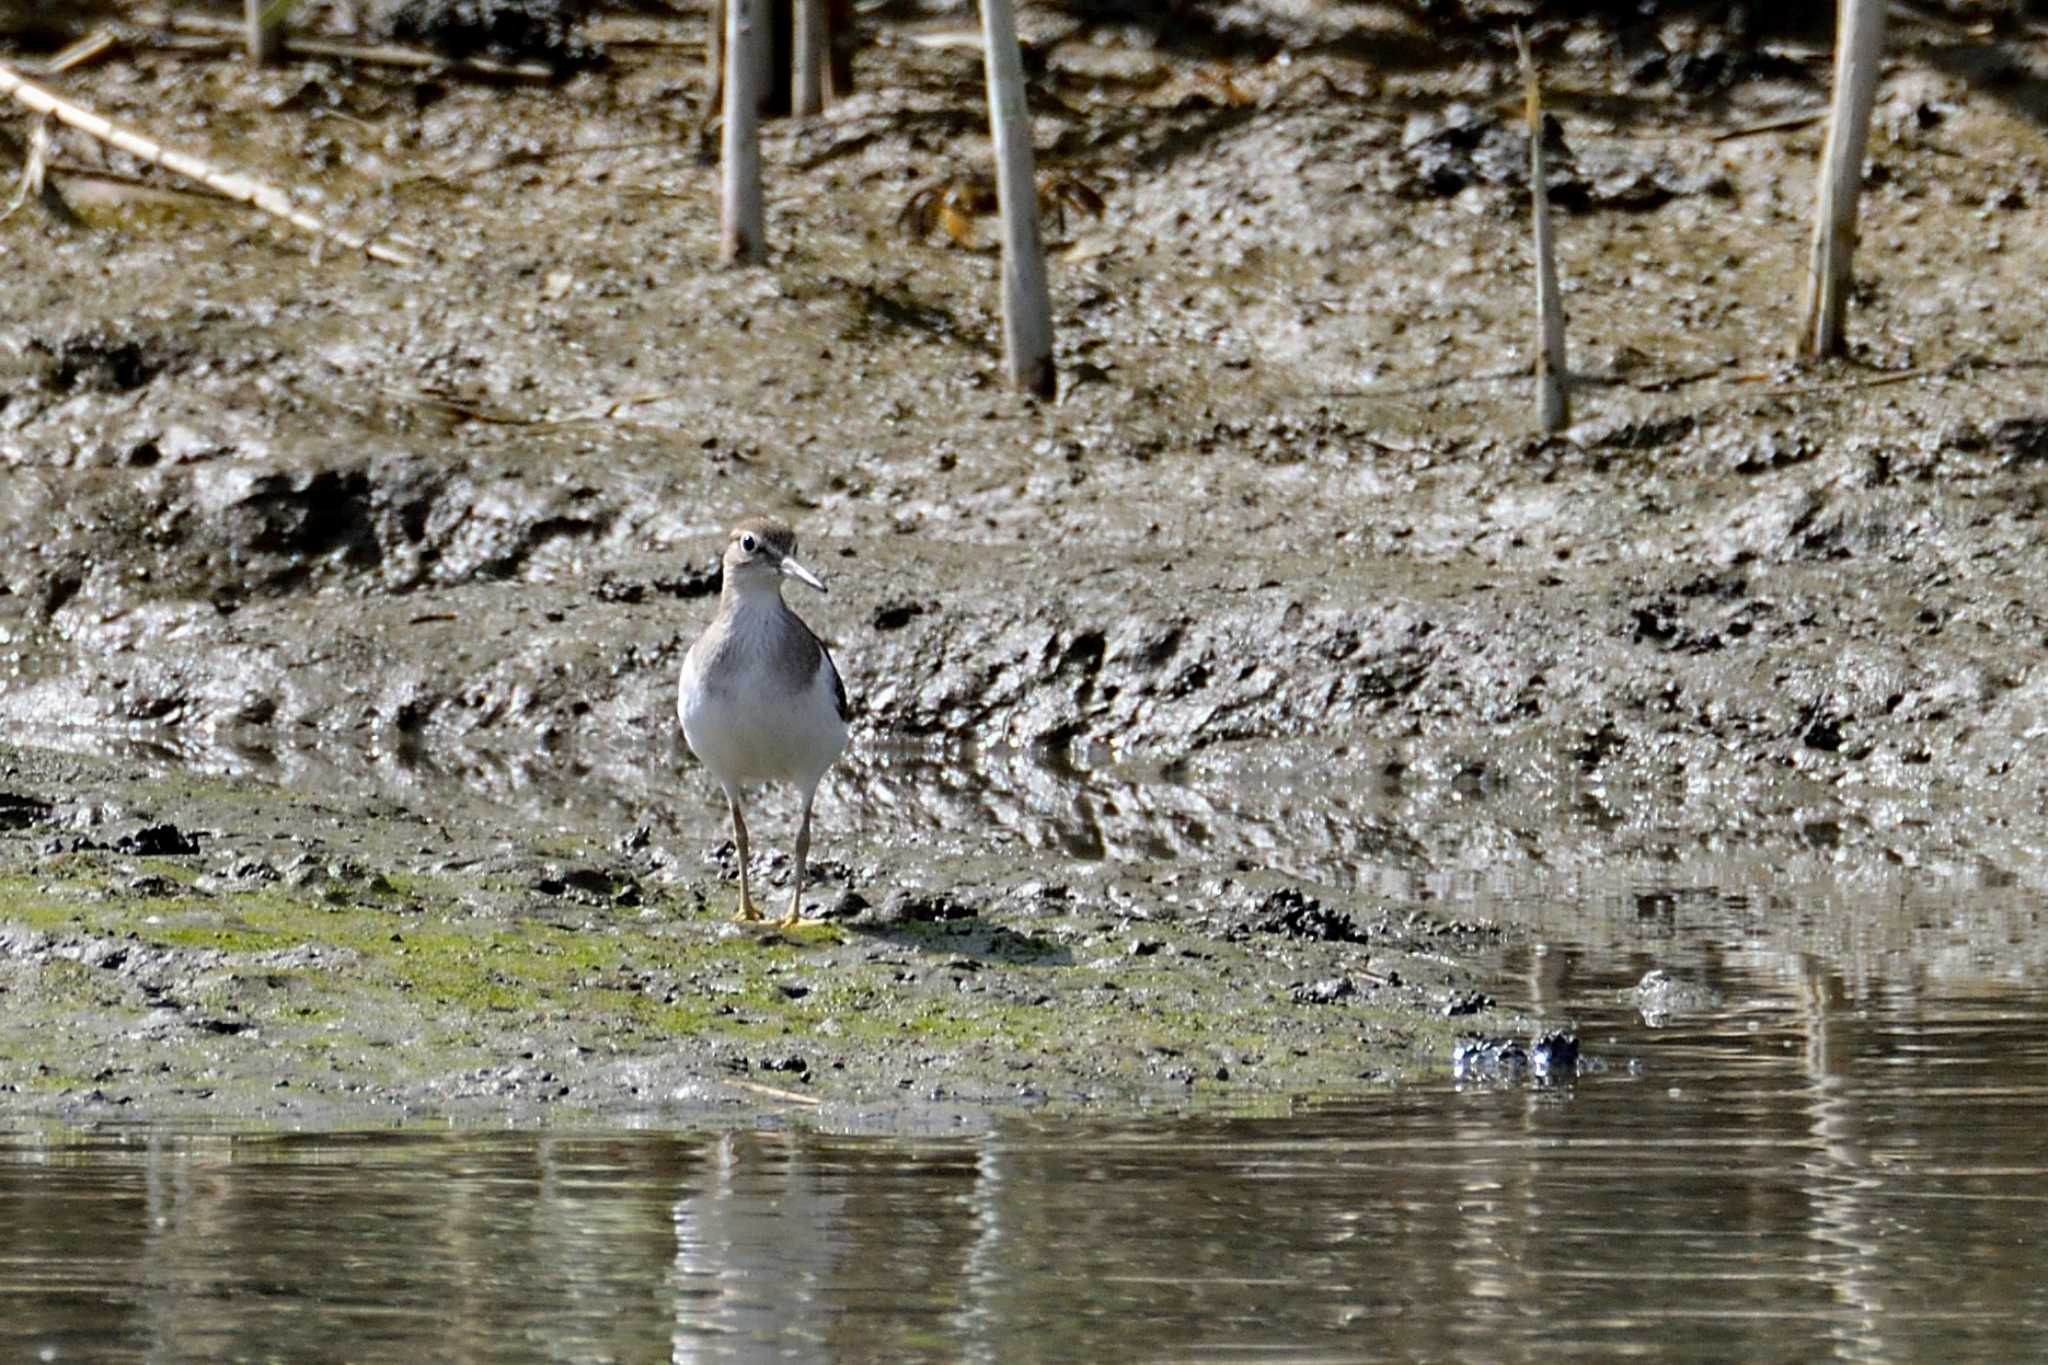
x,y
802,575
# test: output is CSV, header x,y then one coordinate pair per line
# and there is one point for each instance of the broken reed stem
x,y
1027,310
1859,43
1553,404
807,57
36,180
386,54
240,188
740,213
172,29
265,35
86,50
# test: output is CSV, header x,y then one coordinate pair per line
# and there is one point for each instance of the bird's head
x,y
760,553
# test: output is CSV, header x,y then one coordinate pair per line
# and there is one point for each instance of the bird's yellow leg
x,y
803,850
748,910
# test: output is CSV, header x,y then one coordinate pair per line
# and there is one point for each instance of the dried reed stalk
x,y
1859,43
1027,310
741,217
1553,403
232,185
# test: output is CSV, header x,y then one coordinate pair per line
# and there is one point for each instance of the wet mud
x,y
331,957
398,565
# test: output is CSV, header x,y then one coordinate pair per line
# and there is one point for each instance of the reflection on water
x,y
1417,837
989,797
1821,1169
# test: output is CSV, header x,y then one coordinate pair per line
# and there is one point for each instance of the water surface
x,y
1842,1158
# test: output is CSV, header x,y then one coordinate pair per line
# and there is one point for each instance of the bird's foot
x,y
748,911
793,918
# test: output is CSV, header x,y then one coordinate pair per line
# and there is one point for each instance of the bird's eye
x,y
747,544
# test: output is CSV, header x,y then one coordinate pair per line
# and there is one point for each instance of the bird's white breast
x,y
751,722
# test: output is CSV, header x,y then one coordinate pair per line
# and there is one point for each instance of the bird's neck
x,y
746,600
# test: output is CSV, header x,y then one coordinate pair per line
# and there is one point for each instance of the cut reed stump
x,y
36,182
265,21
807,48
820,43
1027,311
1553,402
741,225
1859,44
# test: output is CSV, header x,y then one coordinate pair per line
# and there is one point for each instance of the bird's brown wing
x,y
838,684
825,662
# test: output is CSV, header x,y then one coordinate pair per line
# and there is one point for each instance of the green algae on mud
x,y
366,979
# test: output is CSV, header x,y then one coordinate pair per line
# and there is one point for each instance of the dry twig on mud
x,y
1955,369
1770,125
240,188
390,54
469,410
772,1091
84,52
219,36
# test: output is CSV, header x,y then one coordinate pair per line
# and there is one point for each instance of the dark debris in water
x,y
1550,1058
1660,996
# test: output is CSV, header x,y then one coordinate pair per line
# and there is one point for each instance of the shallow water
x,y
1840,1158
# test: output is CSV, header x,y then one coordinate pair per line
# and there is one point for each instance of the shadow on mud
x,y
970,942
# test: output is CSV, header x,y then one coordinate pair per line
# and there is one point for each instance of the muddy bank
x,y
1282,544
173,946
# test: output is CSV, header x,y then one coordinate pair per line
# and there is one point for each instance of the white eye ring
x,y
747,544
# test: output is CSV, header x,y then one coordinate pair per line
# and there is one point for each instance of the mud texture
x,y
333,959
1277,587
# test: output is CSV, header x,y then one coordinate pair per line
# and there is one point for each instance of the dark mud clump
x,y
20,812
1291,914
102,361
538,30
161,840
1462,146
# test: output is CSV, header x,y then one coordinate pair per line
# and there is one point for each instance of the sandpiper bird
x,y
760,700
